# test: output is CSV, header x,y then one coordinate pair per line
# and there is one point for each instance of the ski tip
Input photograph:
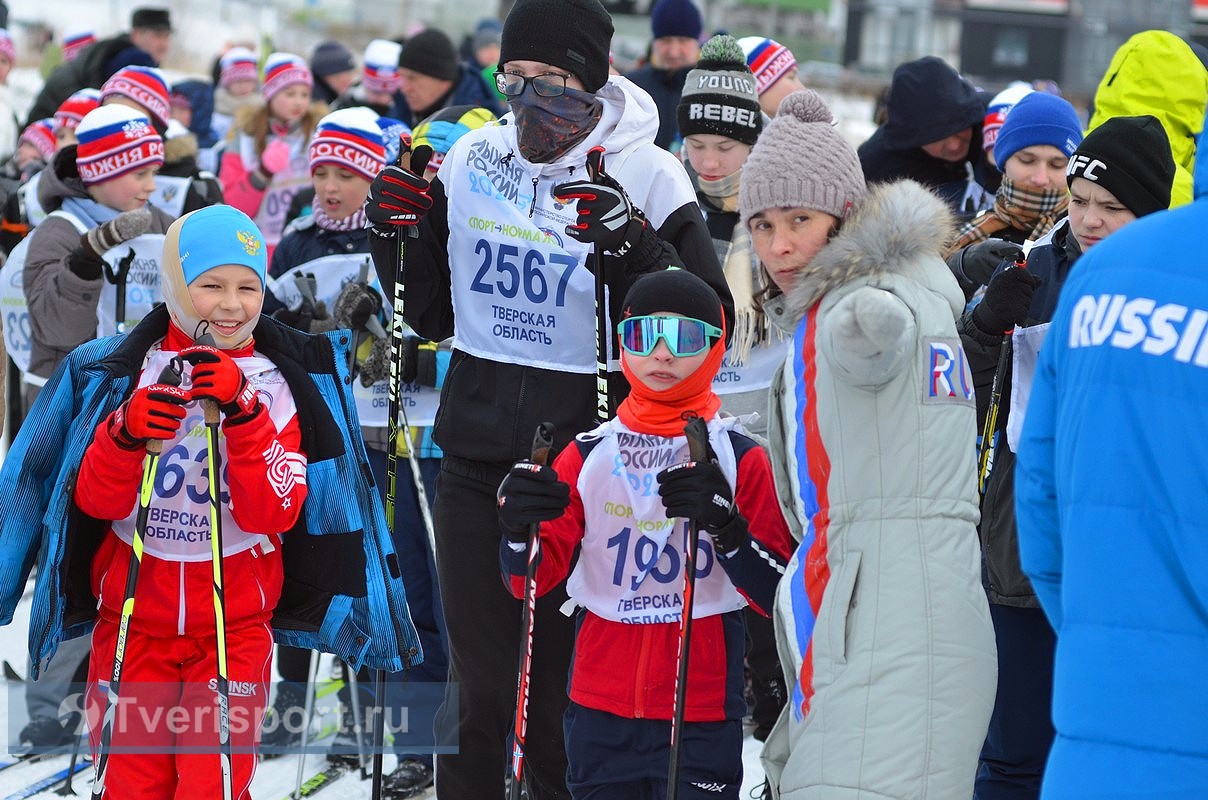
x,y
11,674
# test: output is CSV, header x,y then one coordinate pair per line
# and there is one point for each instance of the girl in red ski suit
x,y
165,737
613,508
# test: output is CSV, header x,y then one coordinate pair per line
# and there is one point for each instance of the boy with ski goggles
x,y
621,496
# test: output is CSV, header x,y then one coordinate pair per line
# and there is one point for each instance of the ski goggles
x,y
684,336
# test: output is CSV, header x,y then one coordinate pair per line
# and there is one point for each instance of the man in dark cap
x,y
510,234
433,77
676,26
144,46
334,70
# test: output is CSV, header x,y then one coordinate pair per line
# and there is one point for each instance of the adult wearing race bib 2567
x,y
504,263
102,183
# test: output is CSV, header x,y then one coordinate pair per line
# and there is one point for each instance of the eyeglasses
x,y
549,84
684,336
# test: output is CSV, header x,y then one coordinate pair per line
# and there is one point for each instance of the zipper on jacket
x,y
180,614
533,202
52,611
639,703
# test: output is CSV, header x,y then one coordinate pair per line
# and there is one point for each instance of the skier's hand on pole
x,y
152,412
1006,302
607,217
699,491
398,196
217,377
530,494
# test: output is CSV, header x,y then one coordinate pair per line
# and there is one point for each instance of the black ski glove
x,y
396,197
606,215
977,262
419,361
530,494
700,492
1006,302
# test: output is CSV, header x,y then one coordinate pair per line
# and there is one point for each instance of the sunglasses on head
x,y
684,336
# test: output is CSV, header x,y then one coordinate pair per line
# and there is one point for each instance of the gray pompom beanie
x,y
801,160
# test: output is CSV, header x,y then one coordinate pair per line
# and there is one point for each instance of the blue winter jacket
x,y
1112,500
342,592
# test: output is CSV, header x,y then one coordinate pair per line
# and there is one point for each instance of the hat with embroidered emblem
x,y
350,139
719,94
143,85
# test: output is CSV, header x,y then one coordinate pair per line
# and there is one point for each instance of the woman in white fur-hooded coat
x,y
882,624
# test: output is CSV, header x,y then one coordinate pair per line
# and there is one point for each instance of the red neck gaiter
x,y
177,340
664,413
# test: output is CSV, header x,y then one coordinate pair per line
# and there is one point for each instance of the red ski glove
x,y
217,377
152,412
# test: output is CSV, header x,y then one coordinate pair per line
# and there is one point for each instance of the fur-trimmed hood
x,y
902,229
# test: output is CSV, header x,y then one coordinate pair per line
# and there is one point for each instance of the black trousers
x,y
483,622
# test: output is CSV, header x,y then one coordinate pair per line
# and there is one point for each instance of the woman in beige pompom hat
x,y
883,627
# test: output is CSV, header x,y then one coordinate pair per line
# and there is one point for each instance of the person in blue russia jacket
x,y
1111,501
342,590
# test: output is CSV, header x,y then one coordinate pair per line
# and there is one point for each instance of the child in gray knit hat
x,y
886,627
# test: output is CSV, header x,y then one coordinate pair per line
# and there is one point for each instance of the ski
x,y
319,780
43,784
11,674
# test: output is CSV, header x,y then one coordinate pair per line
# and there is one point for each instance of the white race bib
x,y
170,193
142,291
631,564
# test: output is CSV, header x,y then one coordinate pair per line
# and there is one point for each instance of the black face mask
x,y
547,127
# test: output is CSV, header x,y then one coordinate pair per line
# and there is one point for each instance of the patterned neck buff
x,y
548,127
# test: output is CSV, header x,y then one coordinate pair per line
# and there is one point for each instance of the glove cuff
x,y
119,434
730,537
969,326
84,262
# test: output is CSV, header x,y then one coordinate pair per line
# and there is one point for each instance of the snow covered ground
x,y
274,779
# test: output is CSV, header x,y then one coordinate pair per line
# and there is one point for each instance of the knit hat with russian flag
x,y
114,140
768,59
41,135
381,66
237,64
350,139
145,86
283,70
76,43
73,109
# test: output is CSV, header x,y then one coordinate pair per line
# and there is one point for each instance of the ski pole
x,y
986,448
697,434
171,377
311,688
356,719
418,165
214,466
543,440
118,279
66,789
306,288
595,165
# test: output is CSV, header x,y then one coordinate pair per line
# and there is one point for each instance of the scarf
x,y
664,413
353,222
739,265
89,211
1030,212
549,127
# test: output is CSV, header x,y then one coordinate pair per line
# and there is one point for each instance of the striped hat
x,y
41,135
283,70
381,66
7,47
73,109
768,59
237,64
446,126
145,86
996,112
75,43
350,139
114,140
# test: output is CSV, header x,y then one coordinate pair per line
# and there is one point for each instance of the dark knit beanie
x,y
676,18
675,291
331,58
430,52
719,96
802,161
573,35
1129,157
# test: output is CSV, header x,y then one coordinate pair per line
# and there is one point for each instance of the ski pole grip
x,y
209,407
697,433
543,441
168,376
